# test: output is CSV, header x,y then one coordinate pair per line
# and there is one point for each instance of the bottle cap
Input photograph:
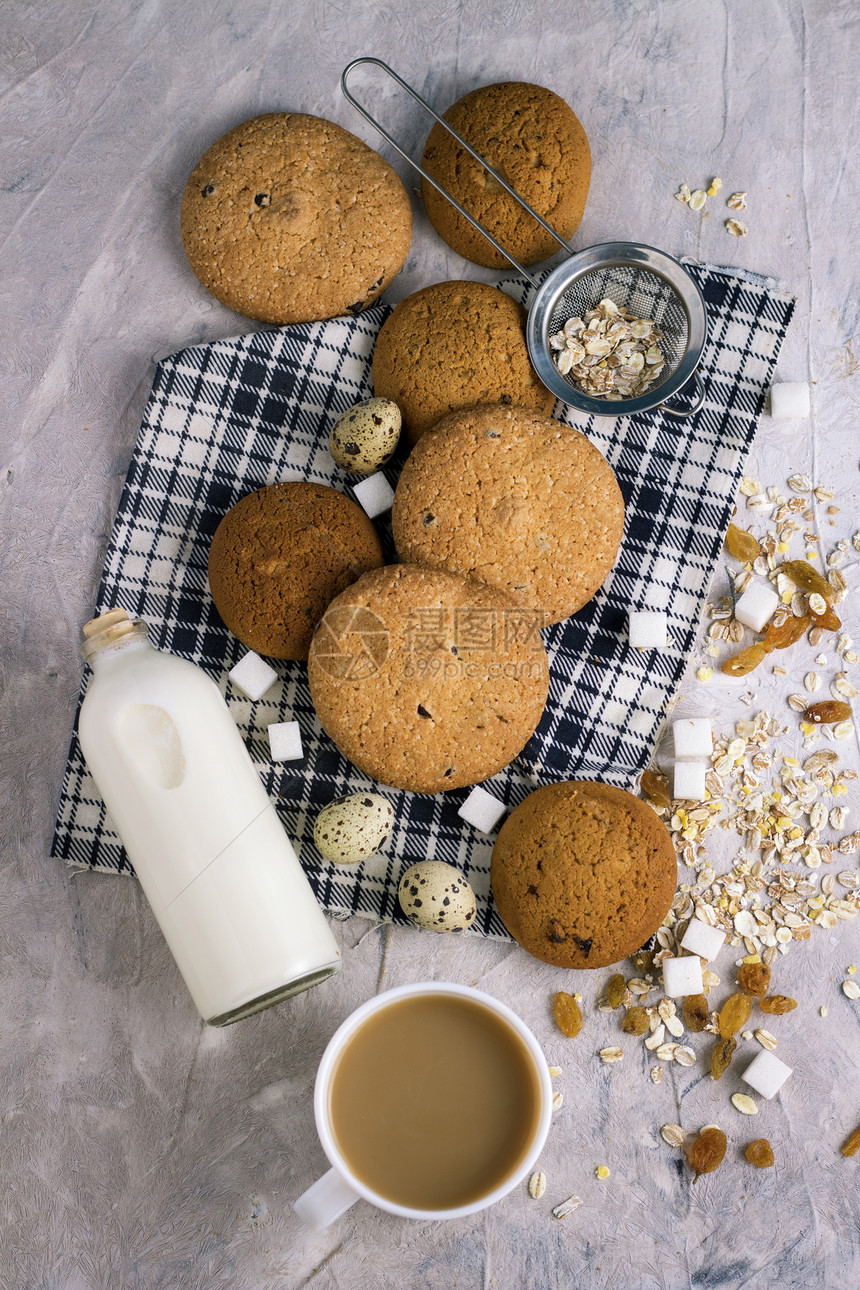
x,y
109,629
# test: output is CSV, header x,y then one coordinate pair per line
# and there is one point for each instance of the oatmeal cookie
x,y
424,680
583,874
289,218
534,140
512,497
451,346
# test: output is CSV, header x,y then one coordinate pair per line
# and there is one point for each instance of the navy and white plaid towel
x,y
226,418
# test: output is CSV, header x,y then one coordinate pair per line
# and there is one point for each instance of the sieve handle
x,y
377,62
694,406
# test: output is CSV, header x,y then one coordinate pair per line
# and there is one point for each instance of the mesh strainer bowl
x,y
650,283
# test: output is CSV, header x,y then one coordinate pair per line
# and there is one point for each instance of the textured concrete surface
x,y
137,1148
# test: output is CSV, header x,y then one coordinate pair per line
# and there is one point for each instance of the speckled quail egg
x,y
352,828
365,437
437,897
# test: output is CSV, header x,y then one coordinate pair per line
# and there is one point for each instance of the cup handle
x,y
325,1200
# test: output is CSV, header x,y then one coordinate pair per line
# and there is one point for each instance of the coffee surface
x,y
434,1102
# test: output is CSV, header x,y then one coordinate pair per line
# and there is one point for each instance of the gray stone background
x,y
137,1147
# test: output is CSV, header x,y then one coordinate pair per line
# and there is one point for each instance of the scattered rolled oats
x,y
812,681
765,1038
683,194
684,1055
566,1207
537,1184
673,1134
557,1101
737,202
656,1074
744,1104
655,1040
736,228
611,1054
851,989
697,199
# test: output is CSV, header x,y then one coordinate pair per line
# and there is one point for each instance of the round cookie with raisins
x,y
515,498
290,218
533,139
426,680
451,346
583,873
280,555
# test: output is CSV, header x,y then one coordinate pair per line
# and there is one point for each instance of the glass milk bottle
x,y
206,843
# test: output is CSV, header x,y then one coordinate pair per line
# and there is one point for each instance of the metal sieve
x,y
648,282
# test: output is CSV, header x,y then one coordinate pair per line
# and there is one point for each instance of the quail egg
x,y
364,438
437,897
352,828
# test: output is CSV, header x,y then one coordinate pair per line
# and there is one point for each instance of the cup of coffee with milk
x,y
431,1101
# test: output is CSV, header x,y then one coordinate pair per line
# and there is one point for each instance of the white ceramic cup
x,y
331,1195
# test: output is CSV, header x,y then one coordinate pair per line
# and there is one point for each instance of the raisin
x,y
749,658
781,635
829,620
777,1004
654,787
696,1014
824,714
707,1152
615,990
741,544
754,978
722,1056
760,1153
734,1014
643,961
636,1022
567,1013
804,576
852,1146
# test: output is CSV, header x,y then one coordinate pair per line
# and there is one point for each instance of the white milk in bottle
x,y
206,843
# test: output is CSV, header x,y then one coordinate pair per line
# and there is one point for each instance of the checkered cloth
x,y
226,418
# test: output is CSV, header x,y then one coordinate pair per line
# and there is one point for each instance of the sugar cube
x,y
702,939
789,399
647,629
688,781
766,1074
285,741
374,494
253,676
693,739
482,810
682,976
755,607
